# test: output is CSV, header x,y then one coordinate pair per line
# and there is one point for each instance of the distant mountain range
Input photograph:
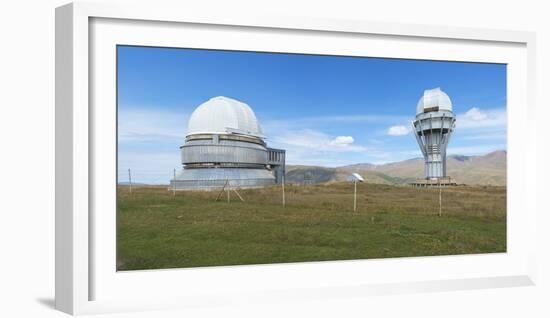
x,y
487,169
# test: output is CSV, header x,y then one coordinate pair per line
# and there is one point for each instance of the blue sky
x,y
324,110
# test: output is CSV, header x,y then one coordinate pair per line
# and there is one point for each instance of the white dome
x,y
223,115
434,98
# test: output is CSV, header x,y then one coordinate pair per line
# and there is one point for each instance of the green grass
x,y
157,230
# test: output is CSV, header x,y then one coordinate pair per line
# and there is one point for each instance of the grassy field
x,y
157,230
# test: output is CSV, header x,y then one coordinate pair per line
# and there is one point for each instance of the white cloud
x,y
313,147
475,114
341,141
315,140
141,125
477,125
399,130
482,118
271,126
148,143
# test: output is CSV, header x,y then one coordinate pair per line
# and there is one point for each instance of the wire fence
x,y
144,177
478,200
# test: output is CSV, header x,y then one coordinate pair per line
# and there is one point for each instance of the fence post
x,y
228,191
354,195
439,183
174,187
283,184
130,179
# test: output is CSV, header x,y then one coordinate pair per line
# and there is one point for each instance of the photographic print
x,y
238,158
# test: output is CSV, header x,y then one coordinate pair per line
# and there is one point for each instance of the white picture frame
x,y
85,280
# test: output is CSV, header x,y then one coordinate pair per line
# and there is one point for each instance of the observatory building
x,y
433,127
225,144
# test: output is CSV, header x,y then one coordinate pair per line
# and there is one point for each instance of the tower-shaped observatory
x,y
433,127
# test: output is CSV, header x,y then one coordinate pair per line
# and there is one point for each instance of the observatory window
x,y
431,109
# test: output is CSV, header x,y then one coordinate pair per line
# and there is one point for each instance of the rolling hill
x,y
487,169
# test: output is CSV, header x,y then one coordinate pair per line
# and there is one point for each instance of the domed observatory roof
x,y
433,127
224,115
224,146
434,100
